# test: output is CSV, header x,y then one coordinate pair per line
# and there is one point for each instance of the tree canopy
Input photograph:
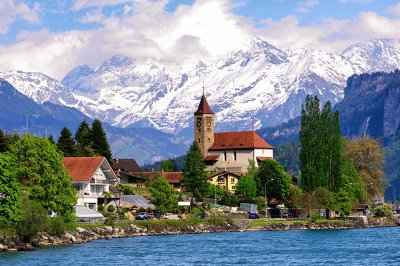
x,y
271,176
194,177
99,140
66,143
321,147
41,172
162,195
168,165
246,187
10,203
366,154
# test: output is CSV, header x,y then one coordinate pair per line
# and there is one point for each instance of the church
x,y
227,153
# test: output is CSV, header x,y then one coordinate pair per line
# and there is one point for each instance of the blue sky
x,y
54,36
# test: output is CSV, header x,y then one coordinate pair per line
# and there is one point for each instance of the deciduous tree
x,y
162,195
41,172
10,204
246,187
271,176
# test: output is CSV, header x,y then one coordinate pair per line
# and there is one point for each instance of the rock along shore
x,y
81,235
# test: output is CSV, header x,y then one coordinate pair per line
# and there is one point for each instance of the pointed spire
x,y
203,108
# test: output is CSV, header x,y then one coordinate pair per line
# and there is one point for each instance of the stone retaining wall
x,y
81,235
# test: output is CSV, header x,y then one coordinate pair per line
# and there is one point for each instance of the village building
x,y
92,177
125,165
138,179
227,154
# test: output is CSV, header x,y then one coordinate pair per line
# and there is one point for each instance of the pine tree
x,y
83,140
99,140
66,143
194,177
51,139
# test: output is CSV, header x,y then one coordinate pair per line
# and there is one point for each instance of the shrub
x,y
56,226
33,220
111,218
100,208
315,216
110,208
384,210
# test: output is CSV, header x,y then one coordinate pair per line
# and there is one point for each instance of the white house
x,y
91,176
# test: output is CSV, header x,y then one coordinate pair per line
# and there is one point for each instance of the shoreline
x,y
82,235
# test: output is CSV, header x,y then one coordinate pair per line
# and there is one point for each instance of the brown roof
x,y
204,108
82,168
211,157
239,140
126,165
265,158
172,177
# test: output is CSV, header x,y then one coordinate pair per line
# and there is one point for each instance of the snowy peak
x,y
39,87
376,55
253,50
115,62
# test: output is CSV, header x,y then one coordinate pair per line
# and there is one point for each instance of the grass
x,y
262,222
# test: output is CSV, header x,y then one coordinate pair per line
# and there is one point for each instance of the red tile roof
x,y
239,140
82,168
204,108
172,177
126,165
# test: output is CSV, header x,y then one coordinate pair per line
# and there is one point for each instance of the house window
x,y
232,180
233,187
234,155
224,155
221,179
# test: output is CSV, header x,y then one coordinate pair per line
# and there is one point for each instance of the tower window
x,y
199,140
208,129
224,155
209,140
234,156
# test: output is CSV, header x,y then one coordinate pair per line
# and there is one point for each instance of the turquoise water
x,y
339,247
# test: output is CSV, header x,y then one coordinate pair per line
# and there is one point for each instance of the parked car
x,y
287,215
254,216
142,216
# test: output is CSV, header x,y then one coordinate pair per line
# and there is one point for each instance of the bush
x,y
384,210
56,226
100,208
315,216
110,208
111,218
33,220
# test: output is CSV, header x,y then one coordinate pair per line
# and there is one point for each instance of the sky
x,y
55,36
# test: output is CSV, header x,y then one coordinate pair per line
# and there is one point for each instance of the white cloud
x,y
10,11
206,30
81,4
304,6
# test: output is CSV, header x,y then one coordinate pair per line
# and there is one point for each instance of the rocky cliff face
x,y
371,105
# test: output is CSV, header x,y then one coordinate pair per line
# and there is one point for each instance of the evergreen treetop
x,y
66,143
194,176
99,140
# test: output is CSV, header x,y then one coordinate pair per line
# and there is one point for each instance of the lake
x,y
376,246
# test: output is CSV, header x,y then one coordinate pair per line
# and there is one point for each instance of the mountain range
x,y
21,114
257,85
147,106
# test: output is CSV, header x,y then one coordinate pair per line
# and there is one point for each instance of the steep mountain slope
x,y
257,85
143,144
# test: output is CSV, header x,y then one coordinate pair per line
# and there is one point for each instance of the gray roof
x,y
85,212
136,201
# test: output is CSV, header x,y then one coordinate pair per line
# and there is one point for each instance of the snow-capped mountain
x,y
257,85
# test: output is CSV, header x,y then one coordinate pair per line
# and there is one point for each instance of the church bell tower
x,y
204,126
